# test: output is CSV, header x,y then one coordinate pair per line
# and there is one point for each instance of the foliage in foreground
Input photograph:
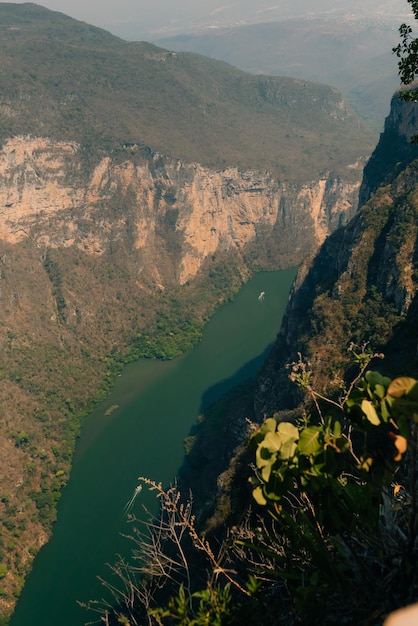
x,y
341,488
333,535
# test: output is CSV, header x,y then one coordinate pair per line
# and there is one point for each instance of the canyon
x,y
138,191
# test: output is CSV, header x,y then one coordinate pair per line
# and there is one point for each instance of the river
x,y
158,402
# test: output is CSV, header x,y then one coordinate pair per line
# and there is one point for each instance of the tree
x,y
407,52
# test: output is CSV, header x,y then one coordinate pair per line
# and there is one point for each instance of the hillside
x,y
352,54
75,82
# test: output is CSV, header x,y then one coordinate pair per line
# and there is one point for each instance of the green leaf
x,y
337,429
273,442
266,471
264,462
288,431
384,409
370,412
289,435
263,455
380,391
259,496
253,585
269,425
309,440
374,378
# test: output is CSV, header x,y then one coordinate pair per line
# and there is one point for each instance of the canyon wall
x,y
160,207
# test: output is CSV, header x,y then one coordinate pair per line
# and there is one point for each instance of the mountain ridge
x,y
189,18
353,56
182,105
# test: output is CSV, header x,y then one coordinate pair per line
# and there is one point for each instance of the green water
x,y
158,403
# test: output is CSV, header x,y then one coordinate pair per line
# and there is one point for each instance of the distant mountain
x,y
69,80
157,18
352,54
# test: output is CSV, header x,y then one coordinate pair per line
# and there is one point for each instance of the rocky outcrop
x,y
154,203
394,150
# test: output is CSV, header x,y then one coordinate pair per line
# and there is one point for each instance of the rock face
x,y
394,150
160,207
362,285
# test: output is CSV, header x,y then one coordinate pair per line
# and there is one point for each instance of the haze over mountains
x,y
326,42
352,54
150,19
161,18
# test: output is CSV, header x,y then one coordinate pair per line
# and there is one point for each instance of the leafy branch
x,y
328,482
407,52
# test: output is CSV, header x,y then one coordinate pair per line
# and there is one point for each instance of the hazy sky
x,y
147,18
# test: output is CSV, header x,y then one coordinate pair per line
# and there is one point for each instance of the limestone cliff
x,y
394,150
163,209
362,286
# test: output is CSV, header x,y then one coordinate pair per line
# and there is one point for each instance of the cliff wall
x,y
162,209
394,150
362,285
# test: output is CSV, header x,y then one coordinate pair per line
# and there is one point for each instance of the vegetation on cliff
x,y
56,366
407,52
333,538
